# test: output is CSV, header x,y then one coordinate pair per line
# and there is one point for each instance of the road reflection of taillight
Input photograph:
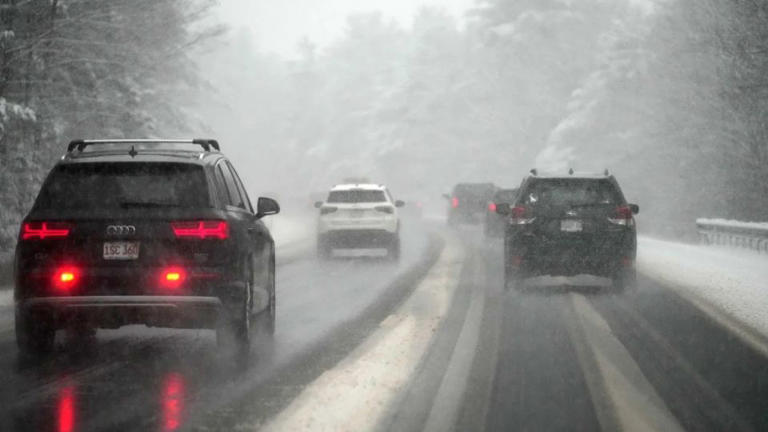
x,y
173,401
173,277
66,409
65,279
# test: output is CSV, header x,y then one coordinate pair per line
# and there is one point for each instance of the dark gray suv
x,y
570,224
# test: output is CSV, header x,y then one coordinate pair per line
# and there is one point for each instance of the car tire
x,y
624,280
393,250
235,331
35,335
268,317
324,249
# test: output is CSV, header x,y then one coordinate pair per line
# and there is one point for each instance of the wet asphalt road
x,y
137,378
531,370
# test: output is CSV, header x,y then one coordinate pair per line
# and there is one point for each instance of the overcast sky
x,y
279,24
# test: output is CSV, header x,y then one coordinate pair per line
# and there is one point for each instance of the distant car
x,y
494,222
468,202
358,216
570,224
413,210
142,232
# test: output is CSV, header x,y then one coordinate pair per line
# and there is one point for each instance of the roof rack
x,y
81,144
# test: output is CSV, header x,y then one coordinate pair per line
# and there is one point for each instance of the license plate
x,y
121,250
571,225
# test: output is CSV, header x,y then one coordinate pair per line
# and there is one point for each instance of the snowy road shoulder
x,y
728,284
356,394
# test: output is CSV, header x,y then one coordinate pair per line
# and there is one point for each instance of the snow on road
x,y
732,281
356,394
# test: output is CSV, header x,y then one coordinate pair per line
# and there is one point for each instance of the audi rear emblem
x,y
121,230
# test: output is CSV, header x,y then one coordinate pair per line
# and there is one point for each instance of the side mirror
x,y
399,203
266,207
446,196
635,208
503,208
318,204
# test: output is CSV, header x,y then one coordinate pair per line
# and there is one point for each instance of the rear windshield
x,y
357,196
569,192
474,189
505,195
124,185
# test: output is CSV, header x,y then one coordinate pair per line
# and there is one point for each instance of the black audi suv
x,y
155,232
570,224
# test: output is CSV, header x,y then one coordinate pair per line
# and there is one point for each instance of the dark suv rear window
x,y
357,196
483,190
571,192
505,195
124,185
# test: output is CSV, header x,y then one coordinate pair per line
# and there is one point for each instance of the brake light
x,y
327,210
201,229
44,230
622,216
520,215
65,278
173,277
492,207
454,202
385,209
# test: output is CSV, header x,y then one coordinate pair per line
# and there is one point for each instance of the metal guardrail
x,y
745,235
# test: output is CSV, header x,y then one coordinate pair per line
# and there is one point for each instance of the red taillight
x,y
65,278
492,207
201,229
622,216
173,277
44,230
520,215
454,202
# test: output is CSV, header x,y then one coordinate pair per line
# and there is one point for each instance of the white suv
x,y
358,216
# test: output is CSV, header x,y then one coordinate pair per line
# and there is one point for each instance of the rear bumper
x,y
360,238
604,257
117,311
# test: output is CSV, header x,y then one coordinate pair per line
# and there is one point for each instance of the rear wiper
x,y
129,204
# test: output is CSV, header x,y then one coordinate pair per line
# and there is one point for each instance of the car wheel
x,y
625,280
268,317
393,251
235,331
35,335
324,249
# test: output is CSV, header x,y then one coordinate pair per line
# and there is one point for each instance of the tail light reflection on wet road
x,y
172,401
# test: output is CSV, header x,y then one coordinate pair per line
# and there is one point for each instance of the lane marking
x,y
726,410
357,393
635,403
450,394
747,334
